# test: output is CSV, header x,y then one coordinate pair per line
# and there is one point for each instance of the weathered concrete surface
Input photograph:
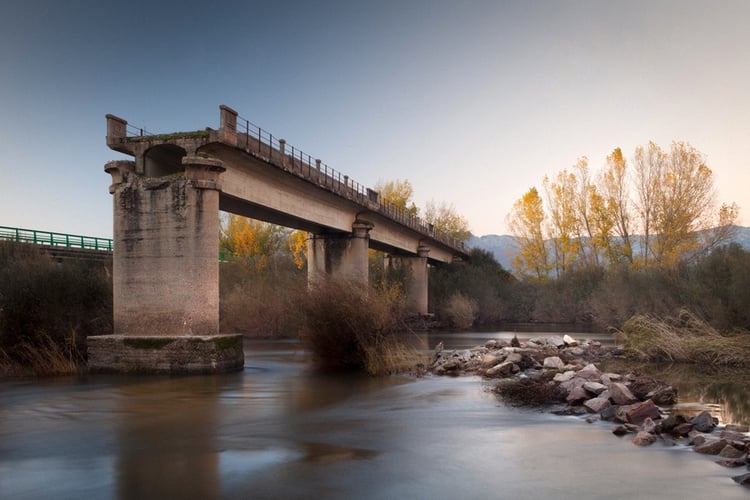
x,y
165,354
166,241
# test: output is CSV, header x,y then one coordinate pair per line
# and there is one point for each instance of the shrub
x,y
261,303
460,311
47,309
529,392
349,326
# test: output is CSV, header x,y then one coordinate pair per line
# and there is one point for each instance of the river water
x,y
278,430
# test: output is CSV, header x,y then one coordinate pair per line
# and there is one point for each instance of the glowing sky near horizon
x,y
472,101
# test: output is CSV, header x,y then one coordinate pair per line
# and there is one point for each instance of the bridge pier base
x,y
417,279
166,273
343,256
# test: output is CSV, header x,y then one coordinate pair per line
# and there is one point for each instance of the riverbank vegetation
x,y
684,338
47,309
349,326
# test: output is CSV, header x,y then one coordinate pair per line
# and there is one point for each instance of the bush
x,y
350,327
460,311
529,392
47,309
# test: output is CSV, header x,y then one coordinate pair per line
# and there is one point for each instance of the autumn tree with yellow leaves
x,y
669,197
259,244
526,223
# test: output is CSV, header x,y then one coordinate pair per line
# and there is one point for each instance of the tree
x,y
616,211
297,243
398,193
444,218
563,221
526,223
254,242
649,168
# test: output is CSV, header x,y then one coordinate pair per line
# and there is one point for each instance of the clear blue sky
x,y
472,101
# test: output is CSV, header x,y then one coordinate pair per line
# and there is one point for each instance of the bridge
x,y
61,245
166,204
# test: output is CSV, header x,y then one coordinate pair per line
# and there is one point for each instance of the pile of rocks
x,y
636,404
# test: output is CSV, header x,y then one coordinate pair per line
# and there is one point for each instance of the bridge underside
x,y
166,240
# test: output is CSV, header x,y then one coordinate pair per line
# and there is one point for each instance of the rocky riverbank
x,y
562,372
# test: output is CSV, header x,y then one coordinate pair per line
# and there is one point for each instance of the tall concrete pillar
x,y
342,256
417,278
166,273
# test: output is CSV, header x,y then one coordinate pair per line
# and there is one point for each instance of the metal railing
x,y
133,131
277,151
54,239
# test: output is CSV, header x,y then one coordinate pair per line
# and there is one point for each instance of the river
x,y
277,430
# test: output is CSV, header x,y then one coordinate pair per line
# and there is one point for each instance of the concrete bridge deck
x,y
166,206
269,180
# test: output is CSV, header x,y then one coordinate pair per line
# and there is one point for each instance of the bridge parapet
x,y
240,132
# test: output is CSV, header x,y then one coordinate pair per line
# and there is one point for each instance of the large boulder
x,y
556,341
703,422
564,377
553,363
594,387
673,421
644,438
711,446
730,451
576,395
663,395
620,394
590,372
569,341
493,358
638,413
504,369
597,405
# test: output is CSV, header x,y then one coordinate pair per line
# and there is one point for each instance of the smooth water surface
x,y
276,430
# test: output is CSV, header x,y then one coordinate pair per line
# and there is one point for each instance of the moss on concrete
x,y
147,342
229,342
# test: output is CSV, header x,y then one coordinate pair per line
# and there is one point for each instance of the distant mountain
x,y
504,247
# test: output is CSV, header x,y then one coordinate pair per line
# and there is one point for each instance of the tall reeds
x,y
684,338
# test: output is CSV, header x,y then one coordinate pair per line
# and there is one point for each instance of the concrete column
x,y
417,278
166,237
166,273
342,256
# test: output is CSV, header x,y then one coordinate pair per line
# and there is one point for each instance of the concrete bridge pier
x,y
417,278
339,254
166,274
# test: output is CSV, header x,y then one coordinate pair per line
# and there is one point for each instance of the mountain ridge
x,y
504,247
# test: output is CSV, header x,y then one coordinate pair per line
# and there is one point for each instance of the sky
x,y
473,102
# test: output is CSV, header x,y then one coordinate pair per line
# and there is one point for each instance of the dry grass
x,y
45,358
351,327
685,339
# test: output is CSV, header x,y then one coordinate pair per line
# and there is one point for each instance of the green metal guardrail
x,y
54,239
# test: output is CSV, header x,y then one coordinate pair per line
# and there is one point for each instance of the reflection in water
x,y
167,438
276,430
723,391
